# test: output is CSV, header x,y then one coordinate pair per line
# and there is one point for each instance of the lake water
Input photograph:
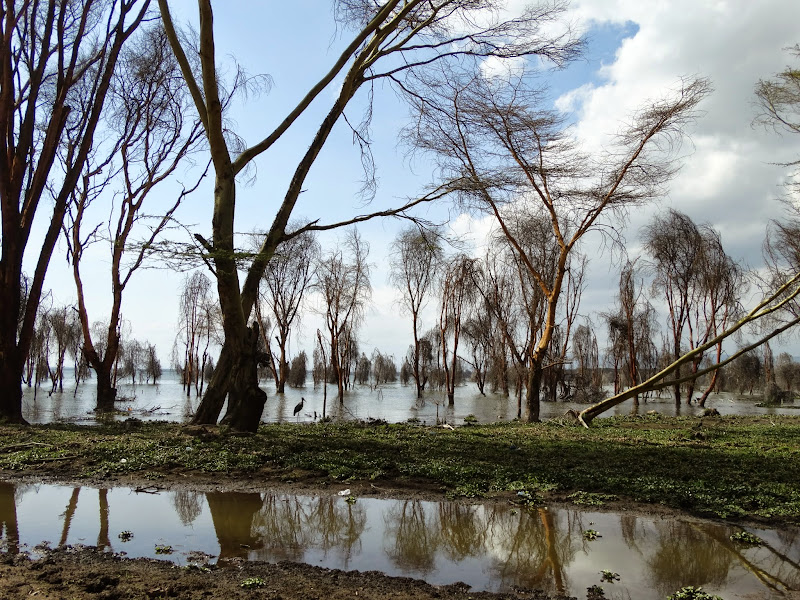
x,y
492,547
393,402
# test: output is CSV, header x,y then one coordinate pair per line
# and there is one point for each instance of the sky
x,y
637,50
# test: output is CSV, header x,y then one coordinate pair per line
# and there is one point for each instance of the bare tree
x,y
788,370
674,244
58,59
502,155
779,101
298,371
630,331
722,284
391,39
63,325
774,311
457,297
284,283
585,352
149,137
417,254
196,331
341,279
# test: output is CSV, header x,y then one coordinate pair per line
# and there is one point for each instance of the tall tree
x,y
283,286
341,278
675,246
147,137
457,296
57,60
417,254
630,331
502,155
391,39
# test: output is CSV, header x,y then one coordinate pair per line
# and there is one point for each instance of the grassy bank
x,y
731,467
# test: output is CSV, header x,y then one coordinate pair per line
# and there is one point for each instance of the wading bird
x,y
299,406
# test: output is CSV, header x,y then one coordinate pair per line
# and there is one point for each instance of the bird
x,y
299,406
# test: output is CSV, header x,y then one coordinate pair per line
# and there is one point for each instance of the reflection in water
x,y
8,517
411,539
685,556
232,514
188,505
493,547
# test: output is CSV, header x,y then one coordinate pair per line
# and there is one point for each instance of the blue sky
x,y
637,49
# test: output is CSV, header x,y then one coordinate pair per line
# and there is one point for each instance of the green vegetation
x,y
692,593
743,538
126,535
163,549
741,466
591,535
608,576
253,583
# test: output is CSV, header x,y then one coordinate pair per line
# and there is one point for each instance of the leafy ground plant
x,y
692,593
163,549
595,592
744,538
252,583
608,576
125,536
591,535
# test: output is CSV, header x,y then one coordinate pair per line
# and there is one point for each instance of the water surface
x,y
492,547
393,402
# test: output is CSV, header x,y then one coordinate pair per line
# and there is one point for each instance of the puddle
x,y
489,547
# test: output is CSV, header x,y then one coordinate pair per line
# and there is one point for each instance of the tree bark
x,y
106,393
246,400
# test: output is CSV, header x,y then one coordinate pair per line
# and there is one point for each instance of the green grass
x,y
738,467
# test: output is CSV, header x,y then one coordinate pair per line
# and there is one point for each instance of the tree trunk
x,y
533,391
210,406
106,392
245,399
11,386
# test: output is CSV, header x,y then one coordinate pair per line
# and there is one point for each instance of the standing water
x,y
493,547
394,403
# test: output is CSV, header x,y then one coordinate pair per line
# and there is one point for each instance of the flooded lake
x,y
491,547
393,402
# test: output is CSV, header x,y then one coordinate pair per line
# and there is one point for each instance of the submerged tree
x,y
283,286
147,139
58,59
417,255
501,154
391,39
341,278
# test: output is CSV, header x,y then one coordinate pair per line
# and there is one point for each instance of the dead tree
x,y
341,279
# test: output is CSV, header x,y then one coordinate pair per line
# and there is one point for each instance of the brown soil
x,y
87,573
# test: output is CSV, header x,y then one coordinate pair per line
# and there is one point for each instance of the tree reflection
x,y
68,514
338,525
415,538
463,530
9,527
232,514
103,541
280,528
188,505
684,556
531,549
